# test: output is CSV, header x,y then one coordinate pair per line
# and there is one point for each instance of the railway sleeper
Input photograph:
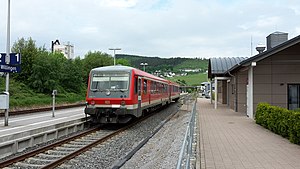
x,y
34,160
66,148
57,152
48,156
72,145
27,165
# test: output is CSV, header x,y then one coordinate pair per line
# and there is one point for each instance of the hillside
x,y
165,64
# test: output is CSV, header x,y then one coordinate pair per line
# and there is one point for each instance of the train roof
x,y
113,68
127,69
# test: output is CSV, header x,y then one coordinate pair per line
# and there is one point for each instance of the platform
x,y
230,140
27,130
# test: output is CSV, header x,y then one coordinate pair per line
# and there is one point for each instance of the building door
x,y
293,96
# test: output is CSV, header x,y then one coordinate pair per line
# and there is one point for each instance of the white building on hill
x,y
66,49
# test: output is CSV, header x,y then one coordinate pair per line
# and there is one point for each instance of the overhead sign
x,y
15,59
14,65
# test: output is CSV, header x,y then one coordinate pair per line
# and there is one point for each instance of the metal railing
x,y
187,158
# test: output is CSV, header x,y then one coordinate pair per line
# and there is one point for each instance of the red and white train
x,y
117,94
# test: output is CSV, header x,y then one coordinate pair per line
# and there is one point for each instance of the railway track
x,y
56,154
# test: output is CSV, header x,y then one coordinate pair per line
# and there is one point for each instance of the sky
x,y
163,28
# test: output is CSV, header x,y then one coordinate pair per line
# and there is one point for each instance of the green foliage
x,y
47,72
191,79
95,59
279,120
72,76
165,64
123,62
29,53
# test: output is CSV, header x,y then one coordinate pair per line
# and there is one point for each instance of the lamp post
x,y
114,49
144,65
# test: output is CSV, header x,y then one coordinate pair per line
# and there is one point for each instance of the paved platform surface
x,y
22,123
230,140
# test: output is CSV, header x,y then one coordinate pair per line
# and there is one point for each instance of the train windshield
x,y
110,81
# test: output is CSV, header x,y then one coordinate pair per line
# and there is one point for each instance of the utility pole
x,y
114,49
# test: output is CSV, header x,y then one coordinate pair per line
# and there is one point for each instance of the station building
x,y
272,76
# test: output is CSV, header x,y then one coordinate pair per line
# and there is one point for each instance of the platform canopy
x,y
220,66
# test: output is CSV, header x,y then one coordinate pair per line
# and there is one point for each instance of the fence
x,y
187,157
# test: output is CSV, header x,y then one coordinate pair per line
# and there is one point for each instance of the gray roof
x,y
219,66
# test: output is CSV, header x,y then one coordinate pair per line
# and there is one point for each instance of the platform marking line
x,y
40,123
39,116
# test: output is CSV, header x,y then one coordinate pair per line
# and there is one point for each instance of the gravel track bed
x,y
41,145
163,149
105,155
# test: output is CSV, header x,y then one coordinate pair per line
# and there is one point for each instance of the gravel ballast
x,y
162,150
169,138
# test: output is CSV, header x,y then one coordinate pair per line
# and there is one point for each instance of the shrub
x,y
279,120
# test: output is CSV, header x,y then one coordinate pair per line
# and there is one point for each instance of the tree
x,y
72,76
95,59
47,72
123,62
29,52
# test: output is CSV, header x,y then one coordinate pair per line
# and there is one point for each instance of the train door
x,y
139,88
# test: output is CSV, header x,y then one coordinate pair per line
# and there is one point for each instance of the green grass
x,y
192,79
22,96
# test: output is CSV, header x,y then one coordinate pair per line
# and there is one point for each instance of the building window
x,y
293,96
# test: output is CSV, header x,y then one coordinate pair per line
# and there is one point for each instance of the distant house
x,y
272,76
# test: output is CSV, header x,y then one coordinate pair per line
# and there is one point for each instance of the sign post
x,y
54,92
7,60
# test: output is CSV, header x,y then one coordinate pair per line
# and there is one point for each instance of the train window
x,y
139,86
135,85
145,86
111,81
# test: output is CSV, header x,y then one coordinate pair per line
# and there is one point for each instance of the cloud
x,y
119,3
88,30
166,28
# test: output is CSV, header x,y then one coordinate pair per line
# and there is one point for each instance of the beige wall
x,y
272,75
222,91
231,93
242,78
237,91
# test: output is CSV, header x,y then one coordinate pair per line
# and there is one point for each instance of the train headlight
x,y
107,92
93,102
123,103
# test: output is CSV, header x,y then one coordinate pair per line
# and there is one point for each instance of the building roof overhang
x,y
266,54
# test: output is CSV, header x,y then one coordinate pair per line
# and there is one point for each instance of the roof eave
x,y
267,53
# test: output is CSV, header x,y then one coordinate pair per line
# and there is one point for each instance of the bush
x,y
279,120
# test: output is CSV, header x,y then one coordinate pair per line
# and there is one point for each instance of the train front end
x,y
109,98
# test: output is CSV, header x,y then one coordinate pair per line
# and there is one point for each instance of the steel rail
x,y
93,144
124,159
76,152
45,148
